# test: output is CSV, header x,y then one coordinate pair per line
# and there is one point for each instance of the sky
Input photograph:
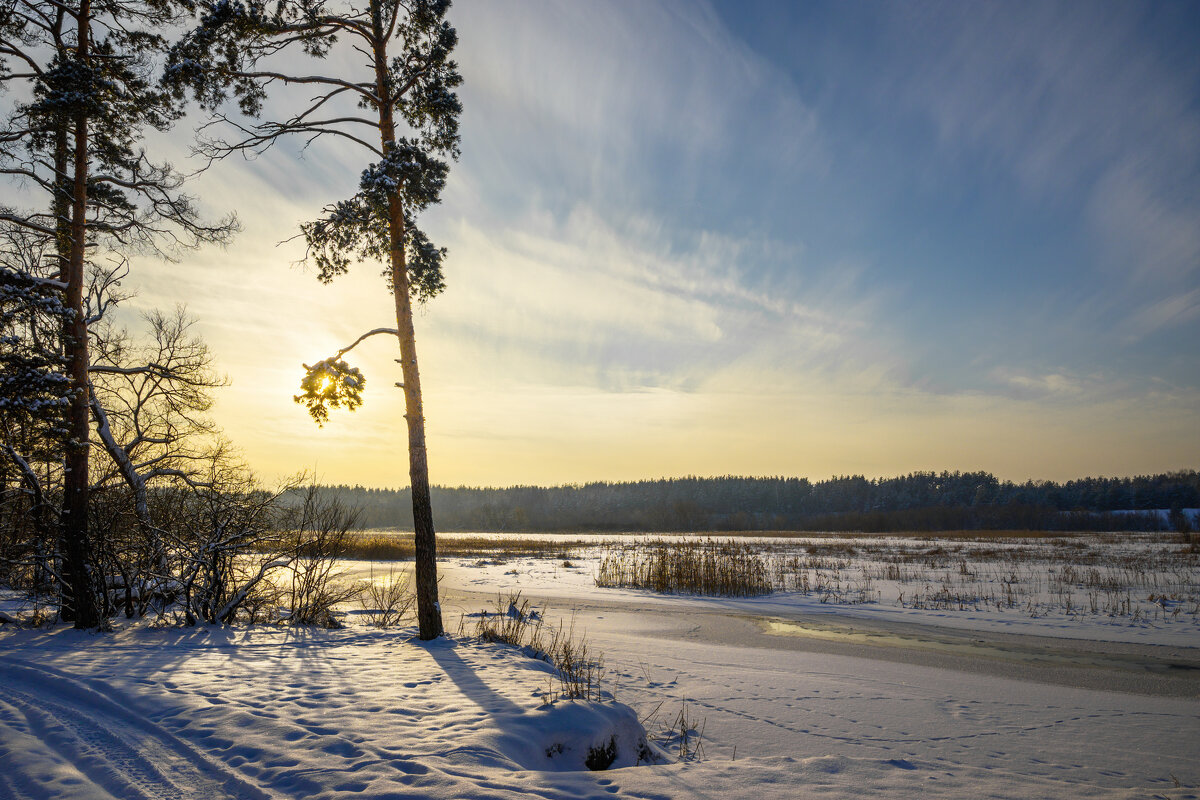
x,y
760,238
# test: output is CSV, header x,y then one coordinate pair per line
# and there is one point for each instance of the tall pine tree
x,y
399,106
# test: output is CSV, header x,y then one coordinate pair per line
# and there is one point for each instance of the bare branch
x,y
363,89
367,335
26,222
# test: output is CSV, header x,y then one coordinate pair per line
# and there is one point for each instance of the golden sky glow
x,y
673,260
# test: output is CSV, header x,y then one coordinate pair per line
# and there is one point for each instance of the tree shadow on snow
x,y
464,676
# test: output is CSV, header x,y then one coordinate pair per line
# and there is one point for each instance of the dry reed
x,y
706,566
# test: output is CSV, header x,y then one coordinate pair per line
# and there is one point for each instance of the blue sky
x,y
761,238
1028,170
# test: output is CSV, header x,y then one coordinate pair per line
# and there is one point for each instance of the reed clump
x,y
698,566
1123,575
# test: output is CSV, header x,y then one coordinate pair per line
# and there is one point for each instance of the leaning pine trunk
x,y
80,596
429,613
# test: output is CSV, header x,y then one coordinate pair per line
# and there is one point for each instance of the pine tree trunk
x,y
429,612
80,600
63,181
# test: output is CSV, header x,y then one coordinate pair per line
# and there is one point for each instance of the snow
x,y
283,712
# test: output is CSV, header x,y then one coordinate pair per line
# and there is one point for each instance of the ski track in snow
x,y
270,713
104,737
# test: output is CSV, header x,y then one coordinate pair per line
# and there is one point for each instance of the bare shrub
x,y
317,543
223,546
387,601
235,553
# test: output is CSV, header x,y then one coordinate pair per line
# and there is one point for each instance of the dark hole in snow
x,y
599,758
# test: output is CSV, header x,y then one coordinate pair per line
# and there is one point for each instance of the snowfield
x,y
277,712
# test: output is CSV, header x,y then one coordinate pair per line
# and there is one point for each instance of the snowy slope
x,y
268,712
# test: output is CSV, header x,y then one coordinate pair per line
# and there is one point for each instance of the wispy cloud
x,y
623,107
1092,109
1170,311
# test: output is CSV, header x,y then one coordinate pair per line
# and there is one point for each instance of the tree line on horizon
x,y
917,501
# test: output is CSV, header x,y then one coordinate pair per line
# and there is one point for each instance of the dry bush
x,y
223,550
387,601
318,544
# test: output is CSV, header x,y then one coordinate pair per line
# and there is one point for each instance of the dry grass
x,y
387,601
1136,576
682,733
953,534
1139,577
513,622
375,546
398,546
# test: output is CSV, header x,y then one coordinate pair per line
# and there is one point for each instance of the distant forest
x,y
918,501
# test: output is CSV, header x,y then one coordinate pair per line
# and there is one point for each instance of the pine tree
x,y
404,100
89,70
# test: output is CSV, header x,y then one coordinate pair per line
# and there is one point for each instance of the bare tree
x,y
150,399
400,108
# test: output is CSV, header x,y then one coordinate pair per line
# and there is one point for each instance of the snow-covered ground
x,y
280,712
283,712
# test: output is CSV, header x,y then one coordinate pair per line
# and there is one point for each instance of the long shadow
x,y
443,651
